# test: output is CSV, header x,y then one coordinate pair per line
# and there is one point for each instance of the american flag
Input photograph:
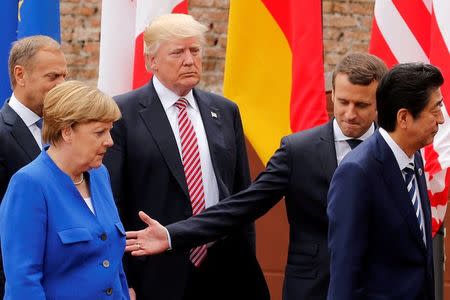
x,y
419,30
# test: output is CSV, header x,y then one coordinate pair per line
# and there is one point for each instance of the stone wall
x,y
347,25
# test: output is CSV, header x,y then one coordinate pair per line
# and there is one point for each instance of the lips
x,y
189,74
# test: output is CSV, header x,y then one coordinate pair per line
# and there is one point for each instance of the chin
x,y
95,165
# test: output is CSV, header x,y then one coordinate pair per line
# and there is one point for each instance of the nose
x,y
109,141
188,58
60,79
350,112
440,117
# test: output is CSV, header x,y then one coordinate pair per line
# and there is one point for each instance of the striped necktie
x,y
192,171
413,194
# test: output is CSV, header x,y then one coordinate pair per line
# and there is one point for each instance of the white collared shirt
x,y
168,100
403,161
28,117
342,147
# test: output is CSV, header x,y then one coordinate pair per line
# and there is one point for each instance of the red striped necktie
x,y
192,170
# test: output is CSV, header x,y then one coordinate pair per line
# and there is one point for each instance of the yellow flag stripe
x,y
258,72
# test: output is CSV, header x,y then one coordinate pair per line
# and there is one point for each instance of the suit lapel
x,y
212,122
396,186
20,132
156,121
327,151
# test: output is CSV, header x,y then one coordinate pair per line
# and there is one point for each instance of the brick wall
x,y
347,25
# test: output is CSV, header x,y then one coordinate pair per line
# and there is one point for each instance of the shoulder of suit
x,y
214,98
309,134
131,97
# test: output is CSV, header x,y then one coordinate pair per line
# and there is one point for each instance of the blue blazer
x,y
53,246
375,243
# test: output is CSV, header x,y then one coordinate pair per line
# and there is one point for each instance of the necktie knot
x,y
181,103
39,123
409,169
353,143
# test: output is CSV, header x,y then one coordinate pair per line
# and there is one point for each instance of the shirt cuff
x,y
168,239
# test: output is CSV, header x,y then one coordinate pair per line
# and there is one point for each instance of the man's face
x,y
421,131
354,105
177,64
47,69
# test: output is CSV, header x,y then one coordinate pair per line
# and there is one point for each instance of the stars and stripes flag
x,y
123,22
419,30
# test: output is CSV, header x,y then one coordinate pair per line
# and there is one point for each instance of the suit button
x,y
103,237
106,263
109,291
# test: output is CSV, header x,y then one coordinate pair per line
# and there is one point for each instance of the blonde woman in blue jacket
x,y
61,235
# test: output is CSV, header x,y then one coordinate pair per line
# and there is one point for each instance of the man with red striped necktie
x,y
179,150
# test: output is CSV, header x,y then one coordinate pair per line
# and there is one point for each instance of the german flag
x,y
274,68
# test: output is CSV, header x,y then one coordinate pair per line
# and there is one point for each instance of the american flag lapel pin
x,y
214,115
420,171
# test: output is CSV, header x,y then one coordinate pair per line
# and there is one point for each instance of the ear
x,y
150,63
19,75
403,118
332,95
66,134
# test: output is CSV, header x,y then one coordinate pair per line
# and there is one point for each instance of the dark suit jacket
x,y
300,170
147,174
376,247
17,148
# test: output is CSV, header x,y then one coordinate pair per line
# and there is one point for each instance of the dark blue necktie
x,y
353,143
39,123
412,191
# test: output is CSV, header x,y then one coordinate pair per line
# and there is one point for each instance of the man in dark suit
x,y
36,65
300,170
178,150
378,208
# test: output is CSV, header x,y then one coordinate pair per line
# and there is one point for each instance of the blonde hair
x,y
169,27
71,103
24,50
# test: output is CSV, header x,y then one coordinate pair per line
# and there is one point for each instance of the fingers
x,y
132,234
138,253
146,219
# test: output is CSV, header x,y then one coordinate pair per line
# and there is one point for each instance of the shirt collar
x,y
400,156
339,135
26,114
169,98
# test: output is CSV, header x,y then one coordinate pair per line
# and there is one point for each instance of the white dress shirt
x,y
342,147
403,161
168,100
28,117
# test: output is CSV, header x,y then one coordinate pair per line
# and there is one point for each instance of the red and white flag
x,y
419,30
122,66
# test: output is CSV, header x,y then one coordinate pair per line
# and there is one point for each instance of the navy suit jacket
x,y
147,174
301,171
377,251
53,246
17,148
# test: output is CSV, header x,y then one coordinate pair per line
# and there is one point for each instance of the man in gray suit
x,y
300,171
36,65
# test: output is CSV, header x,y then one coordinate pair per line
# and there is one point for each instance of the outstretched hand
x,y
149,241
